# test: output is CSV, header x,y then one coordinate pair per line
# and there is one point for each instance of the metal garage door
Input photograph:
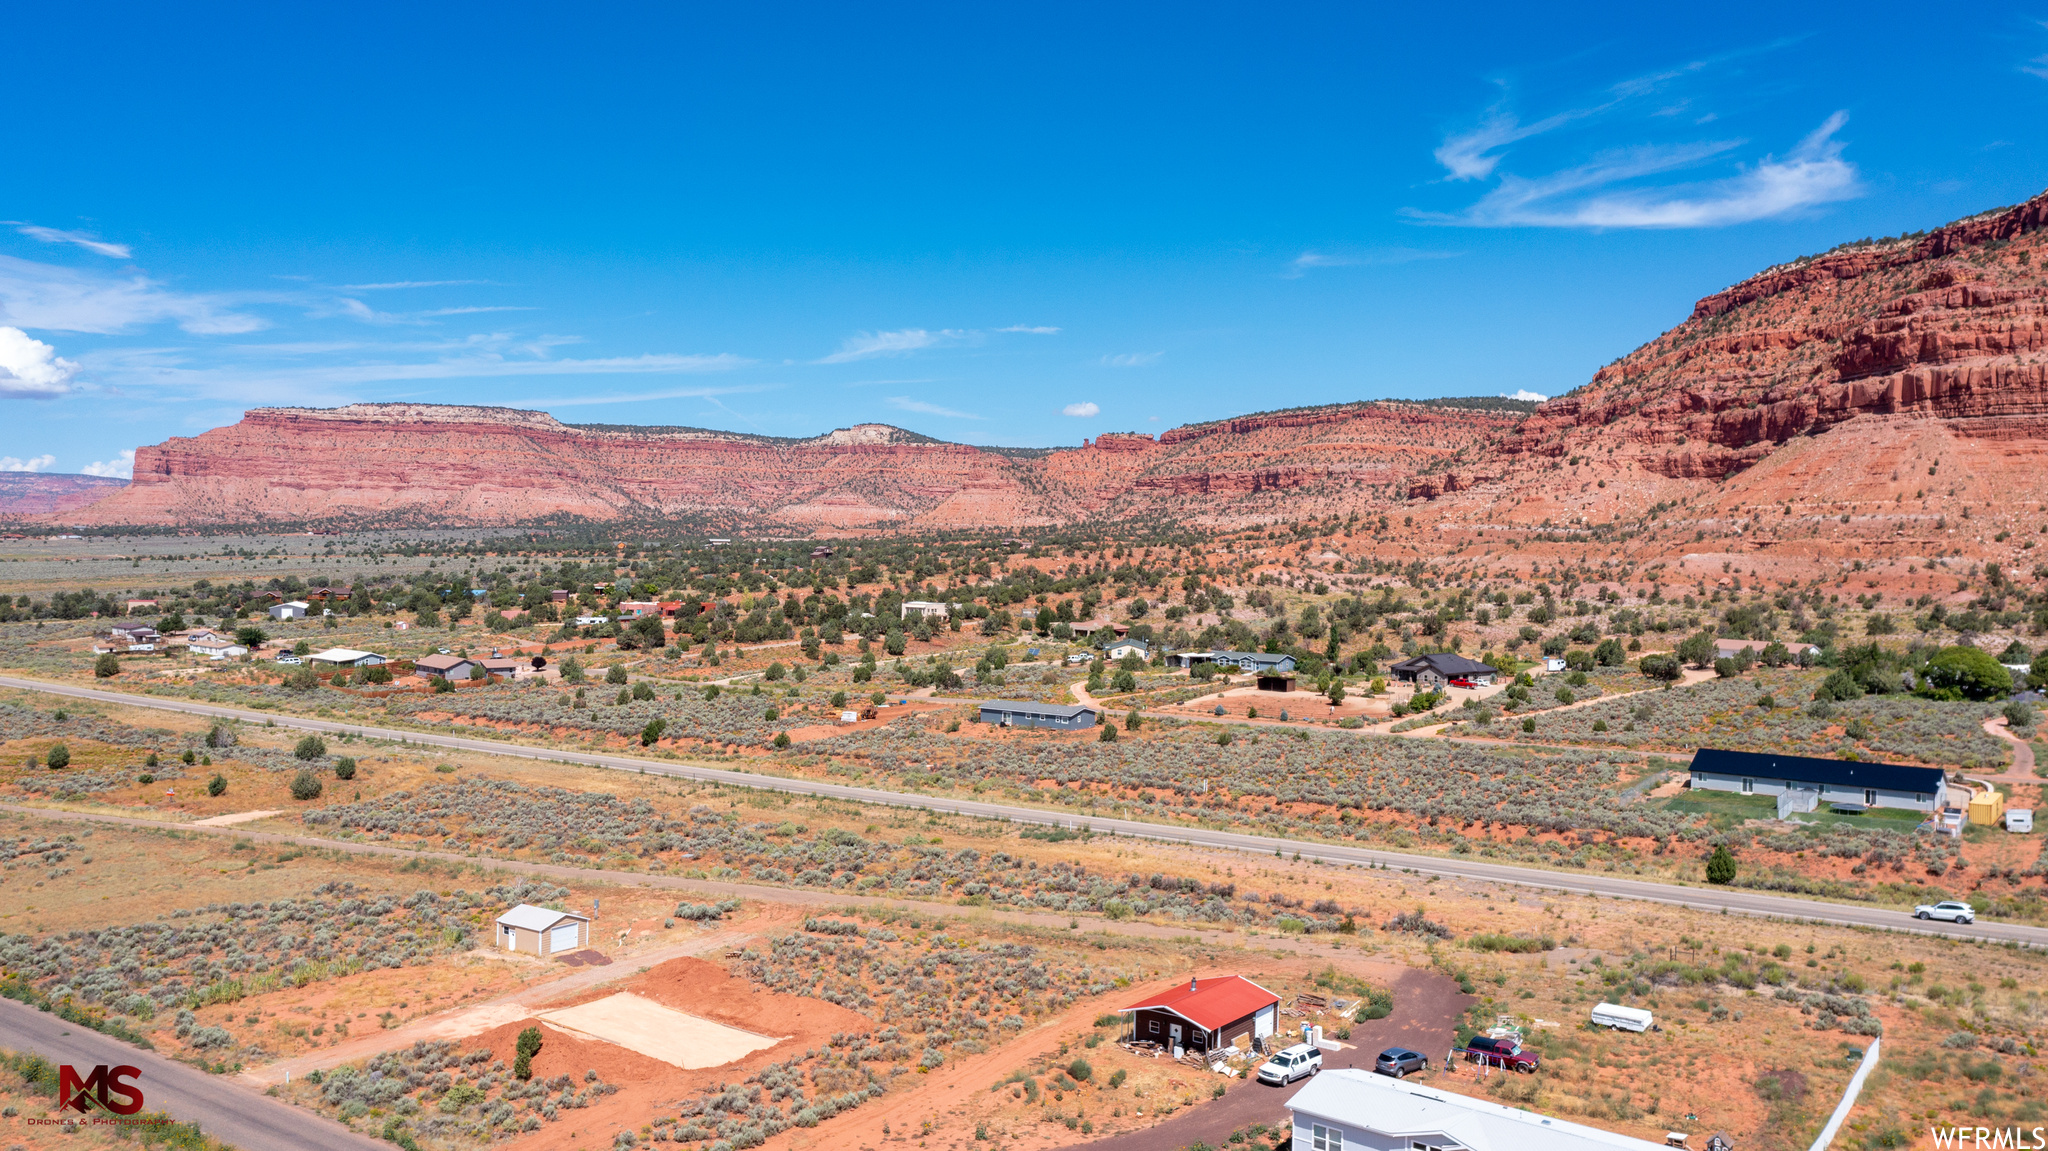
x,y
562,938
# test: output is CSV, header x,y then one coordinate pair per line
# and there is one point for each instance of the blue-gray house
x,y
1027,713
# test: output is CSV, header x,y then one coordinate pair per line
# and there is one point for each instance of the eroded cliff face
x,y
414,463
1952,325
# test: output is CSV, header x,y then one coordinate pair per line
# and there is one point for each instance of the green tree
x,y
306,786
652,732
775,672
1133,721
781,740
1609,653
1697,650
1721,865
250,636
615,674
345,767
310,747
1661,667
107,666
2037,672
218,785
527,1046
1963,672
572,670
59,757
894,643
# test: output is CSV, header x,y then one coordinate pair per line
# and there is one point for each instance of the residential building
x,y
821,553
1355,1109
542,930
340,657
635,608
1206,1014
1832,781
1438,669
1124,647
507,667
449,667
1027,713
216,647
1250,662
558,596
1729,648
925,608
291,609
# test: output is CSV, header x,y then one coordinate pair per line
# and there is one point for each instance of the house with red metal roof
x,y
1206,1014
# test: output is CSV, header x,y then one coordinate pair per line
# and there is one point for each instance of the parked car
x,y
1501,1053
1462,682
1399,1061
1955,911
1297,1062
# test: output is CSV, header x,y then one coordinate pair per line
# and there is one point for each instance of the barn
x,y
1204,1016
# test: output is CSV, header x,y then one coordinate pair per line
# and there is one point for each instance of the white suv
x,y
1297,1062
1952,910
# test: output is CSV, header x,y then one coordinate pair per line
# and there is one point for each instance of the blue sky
x,y
1015,225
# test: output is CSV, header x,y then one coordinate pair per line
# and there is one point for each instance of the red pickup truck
x,y
1506,1053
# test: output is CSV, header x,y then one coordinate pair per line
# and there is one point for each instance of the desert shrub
x,y
310,747
306,786
218,785
345,767
58,757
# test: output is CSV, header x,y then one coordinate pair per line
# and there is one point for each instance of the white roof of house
x,y
1357,1098
295,603
340,655
533,918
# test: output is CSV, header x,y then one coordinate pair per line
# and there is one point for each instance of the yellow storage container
x,y
1987,807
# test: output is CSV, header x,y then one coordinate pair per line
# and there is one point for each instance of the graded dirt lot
x,y
642,1025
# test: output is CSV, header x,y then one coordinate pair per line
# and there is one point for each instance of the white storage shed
x,y
542,930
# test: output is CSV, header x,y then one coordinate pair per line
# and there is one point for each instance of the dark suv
x,y
1399,1061
1501,1053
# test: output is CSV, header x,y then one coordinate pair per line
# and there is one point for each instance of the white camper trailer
x,y
1622,1018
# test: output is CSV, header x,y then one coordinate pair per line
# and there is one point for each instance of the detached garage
x,y
542,931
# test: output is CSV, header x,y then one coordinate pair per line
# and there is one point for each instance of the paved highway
x,y
229,1112
1728,900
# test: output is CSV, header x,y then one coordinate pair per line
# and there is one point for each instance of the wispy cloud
x,y
1472,154
31,369
1308,261
641,397
122,466
394,285
1594,195
1087,409
41,463
51,298
906,404
868,345
60,236
1030,331
1132,360
2038,66
471,311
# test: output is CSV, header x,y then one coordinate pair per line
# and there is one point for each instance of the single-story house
x,y
1357,1109
558,596
1204,1016
216,647
542,931
925,608
821,553
635,608
1124,647
507,667
1727,648
339,657
449,667
292,609
136,632
1253,662
1027,713
1439,668
1843,781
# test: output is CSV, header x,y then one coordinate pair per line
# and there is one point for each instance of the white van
x,y
2019,819
1621,1018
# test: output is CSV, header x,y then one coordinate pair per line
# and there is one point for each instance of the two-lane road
x,y
1720,899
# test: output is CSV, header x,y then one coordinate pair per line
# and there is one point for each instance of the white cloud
x,y
1132,360
867,345
474,310
1525,394
1586,197
1030,331
1470,155
121,466
1084,410
639,397
60,236
906,404
58,299
1301,265
31,369
38,464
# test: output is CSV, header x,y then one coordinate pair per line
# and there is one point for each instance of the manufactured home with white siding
x,y
1352,1109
